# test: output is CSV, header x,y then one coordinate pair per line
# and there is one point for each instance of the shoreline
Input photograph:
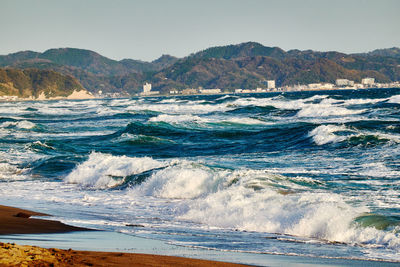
x,y
76,96
119,249
19,221
11,254
14,221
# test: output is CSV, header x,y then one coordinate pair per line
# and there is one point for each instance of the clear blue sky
x,y
147,29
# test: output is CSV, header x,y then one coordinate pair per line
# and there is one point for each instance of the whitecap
x,y
176,118
324,134
243,120
185,181
18,124
106,171
324,110
395,99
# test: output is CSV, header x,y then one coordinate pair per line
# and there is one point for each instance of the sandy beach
x,y
16,255
18,221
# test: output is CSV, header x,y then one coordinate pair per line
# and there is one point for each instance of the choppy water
x,y
314,173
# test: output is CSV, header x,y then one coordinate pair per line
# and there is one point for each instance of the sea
x,y
313,174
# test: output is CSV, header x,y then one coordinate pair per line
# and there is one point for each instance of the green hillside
x,y
32,82
245,65
249,49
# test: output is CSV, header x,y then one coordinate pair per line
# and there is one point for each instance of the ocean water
x,y
304,173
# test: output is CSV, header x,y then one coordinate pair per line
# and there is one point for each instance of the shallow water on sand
x,y
306,174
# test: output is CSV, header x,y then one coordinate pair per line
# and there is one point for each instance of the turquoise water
x,y
307,173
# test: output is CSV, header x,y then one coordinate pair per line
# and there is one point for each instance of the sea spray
x,y
105,171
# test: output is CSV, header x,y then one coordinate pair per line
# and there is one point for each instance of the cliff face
x,y
32,83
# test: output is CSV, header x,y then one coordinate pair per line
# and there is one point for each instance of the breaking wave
x,y
106,171
18,124
331,133
246,200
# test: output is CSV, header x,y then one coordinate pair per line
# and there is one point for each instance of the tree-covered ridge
x,y
85,60
251,72
245,65
33,82
388,52
249,49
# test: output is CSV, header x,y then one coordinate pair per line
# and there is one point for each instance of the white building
x,y
344,82
189,91
320,86
210,91
271,84
368,81
147,90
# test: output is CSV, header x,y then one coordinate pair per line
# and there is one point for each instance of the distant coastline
x,y
84,95
247,66
76,95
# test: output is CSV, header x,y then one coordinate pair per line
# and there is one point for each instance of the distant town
x,y
231,69
340,84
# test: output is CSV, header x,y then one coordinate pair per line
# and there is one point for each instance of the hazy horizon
x,y
145,30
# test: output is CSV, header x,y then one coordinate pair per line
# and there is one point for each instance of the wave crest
x,y
101,171
18,124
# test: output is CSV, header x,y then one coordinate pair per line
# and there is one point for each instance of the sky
x,y
147,29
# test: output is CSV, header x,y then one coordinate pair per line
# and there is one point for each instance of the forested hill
x,y
33,83
245,65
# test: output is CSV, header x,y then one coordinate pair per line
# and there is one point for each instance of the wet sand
x,y
18,221
15,255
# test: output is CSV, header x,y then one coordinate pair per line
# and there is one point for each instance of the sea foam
x,y
246,200
251,200
324,134
24,124
105,171
394,99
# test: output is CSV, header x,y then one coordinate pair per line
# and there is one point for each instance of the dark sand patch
x,y
18,221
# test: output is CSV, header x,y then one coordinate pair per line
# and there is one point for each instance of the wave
x,y
40,147
379,222
190,107
11,172
184,119
176,118
225,135
134,139
264,202
101,171
324,134
227,97
331,133
326,111
24,124
363,101
315,106
247,200
184,180
394,99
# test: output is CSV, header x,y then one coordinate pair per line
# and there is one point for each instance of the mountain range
x,y
245,65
